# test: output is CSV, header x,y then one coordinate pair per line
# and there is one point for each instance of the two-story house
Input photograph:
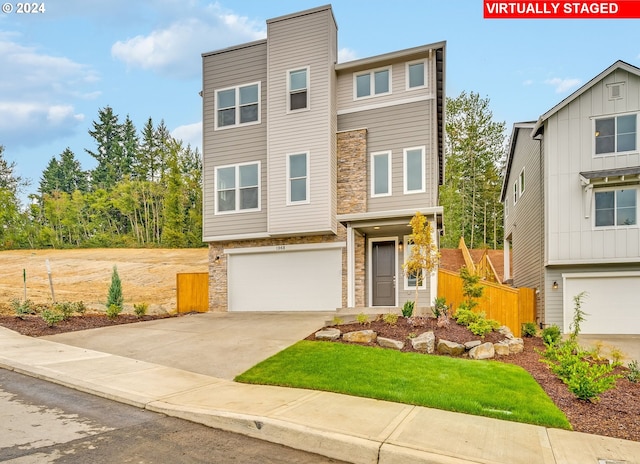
x,y
313,169
571,205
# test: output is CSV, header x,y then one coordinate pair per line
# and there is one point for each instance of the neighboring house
x,y
313,170
571,205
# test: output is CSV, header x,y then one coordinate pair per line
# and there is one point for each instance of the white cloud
x,y
189,134
175,48
30,123
527,83
563,85
346,54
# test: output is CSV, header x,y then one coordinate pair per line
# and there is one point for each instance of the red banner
x,y
622,9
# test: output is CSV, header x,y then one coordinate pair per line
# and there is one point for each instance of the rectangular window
x,y
238,106
412,279
298,83
298,178
414,170
237,188
381,174
370,83
521,182
616,134
416,75
515,193
615,208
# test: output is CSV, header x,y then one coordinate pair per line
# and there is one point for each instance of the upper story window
x,y
521,182
237,188
616,134
515,193
381,174
416,75
616,208
298,178
371,83
236,106
298,89
414,170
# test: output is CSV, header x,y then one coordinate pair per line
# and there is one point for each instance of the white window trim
x,y
506,206
423,189
373,174
423,286
237,89
372,87
521,185
237,188
614,225
370,266
515,192
308,107
426,75
307,200
614,116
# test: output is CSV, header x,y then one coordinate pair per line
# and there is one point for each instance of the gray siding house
x,y
313,169
571,205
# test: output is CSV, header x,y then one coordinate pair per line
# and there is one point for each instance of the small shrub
x,y
440,307
588,380
616,356
362,318
551,335
529,329
140,309
483,326
113,311
634,372
466,316
51,317
79,307
412,335
407,308
65,308
23,308
390,318
337,320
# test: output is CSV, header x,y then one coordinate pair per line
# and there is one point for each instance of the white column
x,y
507,259
351,265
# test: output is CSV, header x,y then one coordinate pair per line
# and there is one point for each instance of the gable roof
x,y
617,65
517,127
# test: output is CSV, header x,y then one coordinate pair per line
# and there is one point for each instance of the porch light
x,y
400,245
555,285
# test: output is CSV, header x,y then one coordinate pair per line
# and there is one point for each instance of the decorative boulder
x,y
328,334
390,343
484,351
360,336
501,348
472,344
506,331
450,348
424,342
516,345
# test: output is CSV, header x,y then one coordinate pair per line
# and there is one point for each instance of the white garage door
x,y
611,302
297,280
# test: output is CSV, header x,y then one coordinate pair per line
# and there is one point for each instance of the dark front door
x,y
383,273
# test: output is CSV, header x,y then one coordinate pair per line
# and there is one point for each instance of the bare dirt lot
x,y
147,275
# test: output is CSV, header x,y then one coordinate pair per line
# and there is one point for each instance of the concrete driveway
x,y
221,345
629,345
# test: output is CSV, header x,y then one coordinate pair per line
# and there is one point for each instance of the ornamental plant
x,y
114,297
423,253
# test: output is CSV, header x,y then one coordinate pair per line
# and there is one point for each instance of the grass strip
x,y
483,388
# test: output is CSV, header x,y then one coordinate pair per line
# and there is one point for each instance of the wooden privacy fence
x,y
192,292
509,306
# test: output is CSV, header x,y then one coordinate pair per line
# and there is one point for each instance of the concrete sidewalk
x,y
348,428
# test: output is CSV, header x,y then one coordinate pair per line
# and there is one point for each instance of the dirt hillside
x,y
147,275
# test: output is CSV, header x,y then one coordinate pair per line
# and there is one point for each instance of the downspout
x,y
542,294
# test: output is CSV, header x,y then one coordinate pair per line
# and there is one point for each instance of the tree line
x,y
145,191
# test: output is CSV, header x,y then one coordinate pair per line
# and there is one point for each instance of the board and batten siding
x,y
395,128
569,139
243,144
306,40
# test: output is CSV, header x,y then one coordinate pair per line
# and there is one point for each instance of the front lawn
x,y
483,388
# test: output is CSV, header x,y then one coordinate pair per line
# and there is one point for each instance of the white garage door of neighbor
x,y
301,280
611,302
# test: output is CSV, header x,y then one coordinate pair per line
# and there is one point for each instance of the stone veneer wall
x,y
352,171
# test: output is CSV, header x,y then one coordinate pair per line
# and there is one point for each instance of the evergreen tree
x,y
146,165
107,133
114,297
129,154
174,217
11,218
471,191
65,175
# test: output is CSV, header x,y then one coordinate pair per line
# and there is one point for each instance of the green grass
x,y
483,388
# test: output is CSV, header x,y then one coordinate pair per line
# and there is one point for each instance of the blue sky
x,y
143,58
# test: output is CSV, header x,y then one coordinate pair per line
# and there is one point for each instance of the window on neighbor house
x,y
381,174
372,83
410,280
615,208
237,106
521,182
414,170
237,188
298,83
616,134
515,193
416,75
298,178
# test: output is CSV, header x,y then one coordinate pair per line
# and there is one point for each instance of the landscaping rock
x,y
451,348
484,351
360,336
328,334
472,344
516,345
424,342
506,331
501,348
390,343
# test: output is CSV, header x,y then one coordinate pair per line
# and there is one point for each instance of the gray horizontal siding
x,y
233,145
396,128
